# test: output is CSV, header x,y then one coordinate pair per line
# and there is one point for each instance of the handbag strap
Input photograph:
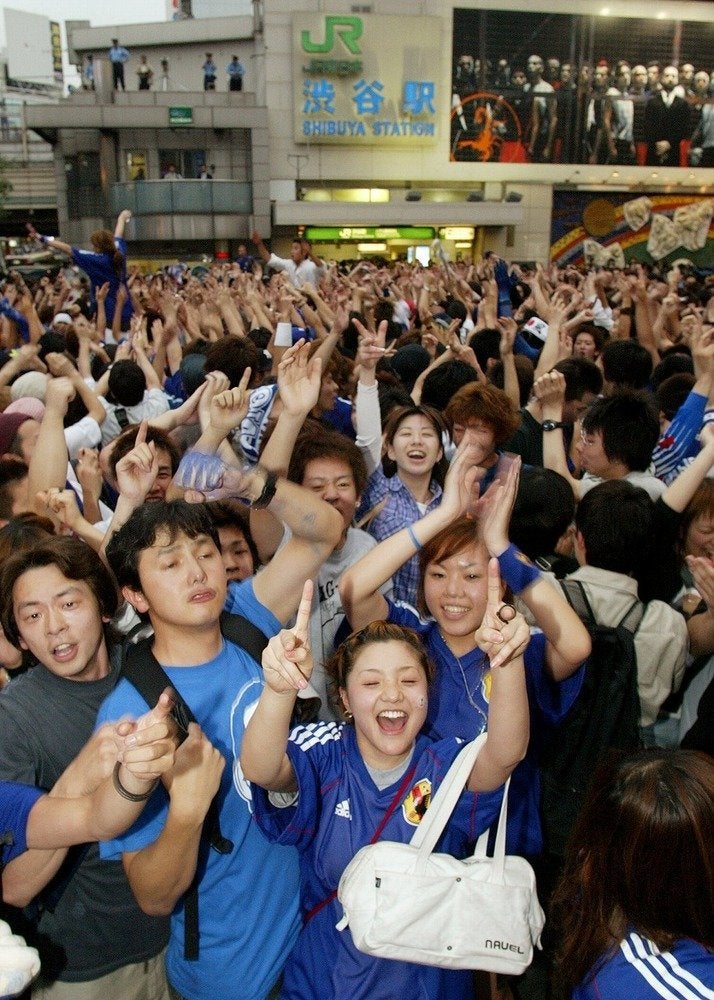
x,y
396,799
444,801
499,847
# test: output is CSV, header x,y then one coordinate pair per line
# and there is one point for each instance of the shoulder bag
x,y
404,902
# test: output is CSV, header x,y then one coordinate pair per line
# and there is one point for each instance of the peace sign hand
x,y
503,633
287,660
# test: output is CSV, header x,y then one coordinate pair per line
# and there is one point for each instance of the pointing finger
x,y
302,621
494,584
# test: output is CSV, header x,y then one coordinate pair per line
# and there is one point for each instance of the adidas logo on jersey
x,y
343,809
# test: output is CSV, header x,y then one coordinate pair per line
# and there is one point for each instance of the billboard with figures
x,y
532,87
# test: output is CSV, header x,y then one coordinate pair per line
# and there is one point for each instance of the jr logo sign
x,y
349,29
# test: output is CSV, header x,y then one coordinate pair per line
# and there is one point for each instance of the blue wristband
x,y
517,570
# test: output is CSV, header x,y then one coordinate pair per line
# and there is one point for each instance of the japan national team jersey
x,y
337,812
458,706
638,970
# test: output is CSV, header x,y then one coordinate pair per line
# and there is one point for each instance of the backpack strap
x,y
578,601
244,633
143,670
632,618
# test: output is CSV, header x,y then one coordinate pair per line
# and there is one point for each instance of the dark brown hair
x,y
23,530
227,514
73,559
339,665
641,856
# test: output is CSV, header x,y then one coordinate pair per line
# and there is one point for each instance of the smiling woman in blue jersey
x,y
328,788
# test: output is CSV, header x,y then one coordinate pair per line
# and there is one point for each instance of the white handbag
x,y
402,901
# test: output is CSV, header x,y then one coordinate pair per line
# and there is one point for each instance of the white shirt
x,y
306,270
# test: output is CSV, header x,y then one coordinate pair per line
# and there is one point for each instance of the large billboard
x,y
34,50
586,89
362,79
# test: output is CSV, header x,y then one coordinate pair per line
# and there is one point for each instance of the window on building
x,y
85,195
136,169
186,161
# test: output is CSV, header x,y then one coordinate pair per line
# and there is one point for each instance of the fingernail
x,y
130,741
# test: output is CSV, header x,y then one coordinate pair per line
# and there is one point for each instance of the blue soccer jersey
x,y
337,812
458,706
16,801
638,970
248,898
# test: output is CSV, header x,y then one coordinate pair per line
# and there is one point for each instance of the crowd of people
x,y
548,111
341,510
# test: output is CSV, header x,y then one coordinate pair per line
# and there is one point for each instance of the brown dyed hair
x,y
103,242
641,856
455,538
340,664
702,503
477,401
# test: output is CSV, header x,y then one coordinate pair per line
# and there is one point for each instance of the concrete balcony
x,y
185,209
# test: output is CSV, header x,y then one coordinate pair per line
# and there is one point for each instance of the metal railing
x,y
183,197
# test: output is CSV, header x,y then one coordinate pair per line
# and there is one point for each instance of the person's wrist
x,y
130,786
517,570
259,488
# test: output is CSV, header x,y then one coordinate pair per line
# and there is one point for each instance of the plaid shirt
x,y
399,511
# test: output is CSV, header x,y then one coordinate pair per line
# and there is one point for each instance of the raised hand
x,y
287,660
63,504
228,408
136,473
503,633
215,382
149,744
495,509
207,477
59,394
195,776
463,475
299,378
89,472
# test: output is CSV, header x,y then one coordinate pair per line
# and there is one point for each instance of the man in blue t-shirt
x,y
167,560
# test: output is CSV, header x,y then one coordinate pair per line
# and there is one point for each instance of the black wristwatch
x,y
268,491
552,425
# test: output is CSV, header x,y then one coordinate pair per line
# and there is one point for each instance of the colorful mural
x,y
663,221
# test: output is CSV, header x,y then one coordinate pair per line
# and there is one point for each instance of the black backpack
x,y
606,715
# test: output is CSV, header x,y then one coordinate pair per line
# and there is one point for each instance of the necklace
x,y
483,722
